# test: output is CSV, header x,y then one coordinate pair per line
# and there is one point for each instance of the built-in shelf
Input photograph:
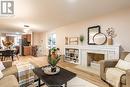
x,y
72,55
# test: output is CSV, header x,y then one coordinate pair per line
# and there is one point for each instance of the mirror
x,y
99,38
91,32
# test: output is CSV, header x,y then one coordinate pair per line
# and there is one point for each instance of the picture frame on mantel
x,y
73,41
92,31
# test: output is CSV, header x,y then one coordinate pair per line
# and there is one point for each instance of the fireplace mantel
x,y
110,51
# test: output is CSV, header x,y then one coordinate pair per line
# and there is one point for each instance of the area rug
x,y
78,82
75,82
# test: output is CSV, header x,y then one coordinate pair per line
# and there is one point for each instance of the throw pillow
x,y
1,66
127,58
123,65
1,75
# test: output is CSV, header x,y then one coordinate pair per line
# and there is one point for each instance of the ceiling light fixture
x,y
26,29
26,26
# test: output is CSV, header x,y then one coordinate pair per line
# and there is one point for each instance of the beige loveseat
x,y
10,74
125,79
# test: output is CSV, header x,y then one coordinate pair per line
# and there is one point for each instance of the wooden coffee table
x,y
54,80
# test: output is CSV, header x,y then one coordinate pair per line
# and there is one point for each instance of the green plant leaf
x,y
53,49
81,38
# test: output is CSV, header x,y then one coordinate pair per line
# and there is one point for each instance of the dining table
x,y
7,52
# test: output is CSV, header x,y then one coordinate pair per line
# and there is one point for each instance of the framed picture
x,y
92,31
73,41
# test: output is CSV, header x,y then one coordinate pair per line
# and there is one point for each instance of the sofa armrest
x,y
128,78
7,64
106,64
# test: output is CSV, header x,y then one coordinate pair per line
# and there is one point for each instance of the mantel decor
x,y
81,38
53,58
110,35
99,38
73,41
91,32
66,40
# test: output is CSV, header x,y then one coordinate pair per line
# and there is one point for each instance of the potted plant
x,y
81,38
53,58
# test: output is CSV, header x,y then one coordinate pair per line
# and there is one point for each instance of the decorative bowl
x,y
47,70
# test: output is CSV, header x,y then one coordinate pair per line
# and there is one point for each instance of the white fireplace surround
x,y
109,51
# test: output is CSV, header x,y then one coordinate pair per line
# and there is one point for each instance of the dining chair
x,y
8,54
1,56
17,51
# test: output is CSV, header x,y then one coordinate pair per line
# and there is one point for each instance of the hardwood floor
x,y
90,77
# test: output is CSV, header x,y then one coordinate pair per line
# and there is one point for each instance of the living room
x,y
68,43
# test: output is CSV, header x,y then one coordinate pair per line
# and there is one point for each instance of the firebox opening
x,y
94,58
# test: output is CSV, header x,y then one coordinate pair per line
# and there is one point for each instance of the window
x,y
17,40
52,40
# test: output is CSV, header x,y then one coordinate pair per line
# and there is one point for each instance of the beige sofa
x,y
125,79
10,74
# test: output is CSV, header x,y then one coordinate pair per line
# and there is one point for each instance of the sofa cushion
x,y
10,71
123,65
9,81
123,78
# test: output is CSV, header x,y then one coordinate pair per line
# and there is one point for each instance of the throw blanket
x,y
113,76
25,73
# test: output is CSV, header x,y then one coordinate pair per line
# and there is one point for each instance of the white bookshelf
x,y
72,55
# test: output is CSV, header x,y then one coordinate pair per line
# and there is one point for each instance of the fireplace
x,y
91,55
94,58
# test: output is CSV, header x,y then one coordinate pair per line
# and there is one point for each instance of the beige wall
x,y
120,21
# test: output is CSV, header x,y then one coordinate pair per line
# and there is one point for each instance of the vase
x,y
109,41
53,68
66,40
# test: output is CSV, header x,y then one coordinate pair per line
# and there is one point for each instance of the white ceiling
x,y
43,15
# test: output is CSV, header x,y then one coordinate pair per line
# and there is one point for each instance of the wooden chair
x,y
17,51
8,54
